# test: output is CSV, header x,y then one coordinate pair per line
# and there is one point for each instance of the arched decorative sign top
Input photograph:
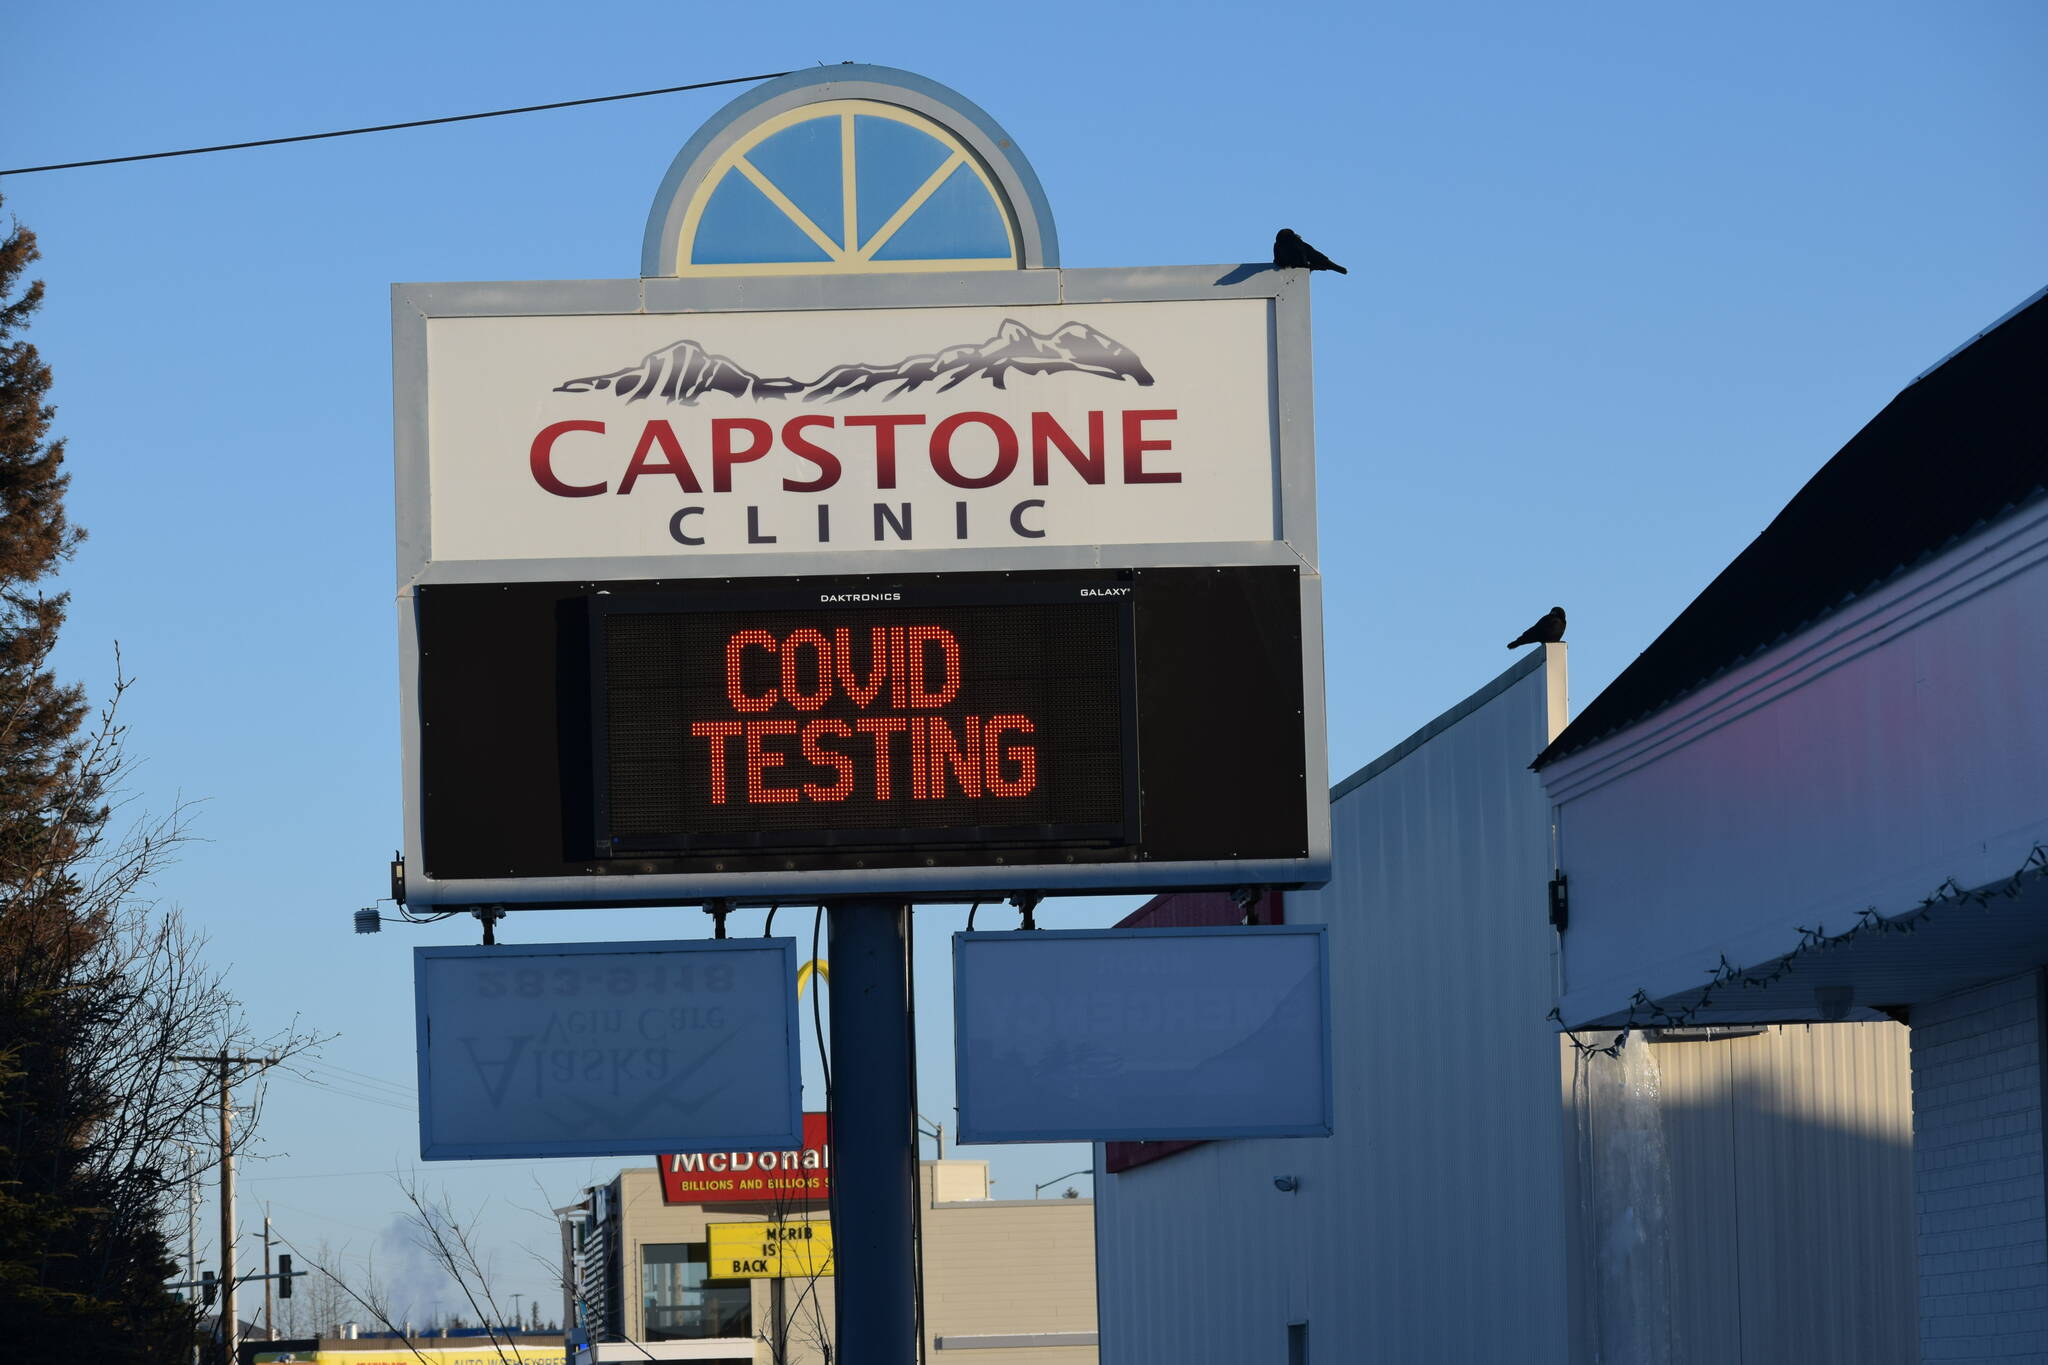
x,y
846,170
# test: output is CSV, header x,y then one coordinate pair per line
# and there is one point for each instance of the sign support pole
x,y
874,1134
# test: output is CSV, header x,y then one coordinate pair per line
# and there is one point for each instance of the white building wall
x,y
1897,743
1432,1226
1747,1197
1488,1195
1978,1174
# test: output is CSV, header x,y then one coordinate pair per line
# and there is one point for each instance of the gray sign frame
x,y
973,1130
554,956
1293,543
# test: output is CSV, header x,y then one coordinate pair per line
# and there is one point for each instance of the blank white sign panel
x,y
1142,1034
608,1049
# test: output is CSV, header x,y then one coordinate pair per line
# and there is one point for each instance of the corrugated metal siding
x,y
1788,1226
1184,910
1432,1226
1457,1213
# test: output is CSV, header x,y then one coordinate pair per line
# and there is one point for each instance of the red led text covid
x,y
893,743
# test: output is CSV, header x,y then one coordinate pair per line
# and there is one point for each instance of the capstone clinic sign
x,y
576,1049
850,430
909,583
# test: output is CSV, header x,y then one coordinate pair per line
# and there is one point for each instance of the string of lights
x,y
1643,1012
388,127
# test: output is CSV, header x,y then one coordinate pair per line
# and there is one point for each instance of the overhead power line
x,y
363,1078
365,1096
390,127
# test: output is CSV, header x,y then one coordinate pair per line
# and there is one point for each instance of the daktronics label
x,y
848,725
869,429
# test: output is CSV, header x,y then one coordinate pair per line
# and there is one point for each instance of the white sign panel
x,y
893,429
1142,1034
614,1049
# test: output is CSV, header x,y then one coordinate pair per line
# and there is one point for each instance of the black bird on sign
x,y
1548,630
1291,253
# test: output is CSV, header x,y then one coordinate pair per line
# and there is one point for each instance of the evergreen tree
x,y
82,1254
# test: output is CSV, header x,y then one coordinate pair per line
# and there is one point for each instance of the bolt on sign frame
x,y
932,578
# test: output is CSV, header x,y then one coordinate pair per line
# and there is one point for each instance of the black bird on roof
x,y
1548,630
1291,253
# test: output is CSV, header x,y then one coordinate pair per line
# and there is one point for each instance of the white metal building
x,y
1735,1197
1822,793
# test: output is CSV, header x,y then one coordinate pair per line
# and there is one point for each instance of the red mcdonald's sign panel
x,y
803,1176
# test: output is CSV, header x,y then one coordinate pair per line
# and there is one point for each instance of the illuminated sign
x,y
839,719
655,741
499,1350
797,1175
768,589
769,1251
865,430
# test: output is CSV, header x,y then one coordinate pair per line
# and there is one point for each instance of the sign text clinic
x,y
966,450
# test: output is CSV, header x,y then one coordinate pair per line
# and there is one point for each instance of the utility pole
x,y
192,1228
569,1276
230,1322
874,1134
269,1327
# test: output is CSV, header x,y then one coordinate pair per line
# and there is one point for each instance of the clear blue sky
x,y
1622,277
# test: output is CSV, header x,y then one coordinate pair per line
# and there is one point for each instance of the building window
x,y
682,1303
847,185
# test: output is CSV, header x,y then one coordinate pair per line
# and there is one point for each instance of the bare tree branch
x,y
442,1236
377,1309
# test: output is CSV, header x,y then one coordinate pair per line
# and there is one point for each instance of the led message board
x,y
985,712
607,1049
686,568
1140,1035
935,734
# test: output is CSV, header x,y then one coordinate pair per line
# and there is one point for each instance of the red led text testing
x,y
892,744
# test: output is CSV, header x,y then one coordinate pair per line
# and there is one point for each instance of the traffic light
x,y
208,1287
284,1276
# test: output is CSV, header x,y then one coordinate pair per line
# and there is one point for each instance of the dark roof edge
x,y
1519,670
1567,744
1987,393
2010,313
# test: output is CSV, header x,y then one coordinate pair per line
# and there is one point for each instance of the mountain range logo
x,y
684,371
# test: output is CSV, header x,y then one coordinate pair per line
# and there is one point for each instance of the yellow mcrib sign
x,y
770,1251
